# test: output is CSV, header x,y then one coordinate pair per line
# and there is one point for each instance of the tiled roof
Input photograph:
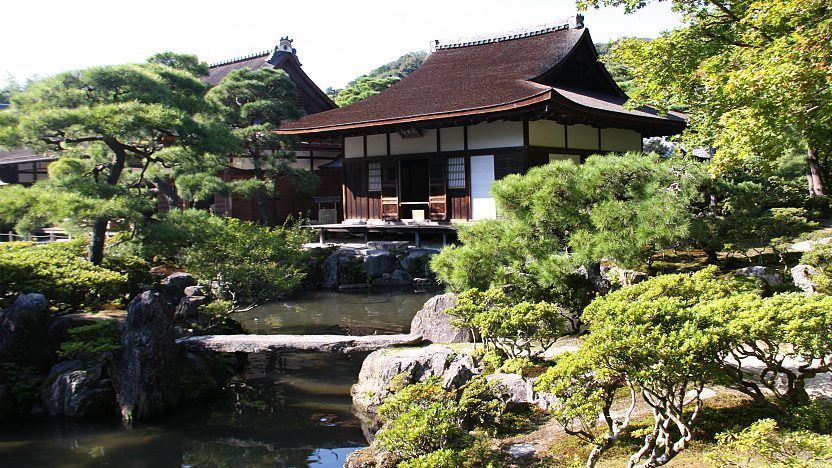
x,y
21,155
482,77
217,71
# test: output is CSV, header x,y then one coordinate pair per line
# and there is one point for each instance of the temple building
x,y
429,147
318,155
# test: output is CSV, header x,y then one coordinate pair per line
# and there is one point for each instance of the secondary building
x,y
478,109
318,155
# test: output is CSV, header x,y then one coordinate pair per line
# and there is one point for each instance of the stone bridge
x,y
340,344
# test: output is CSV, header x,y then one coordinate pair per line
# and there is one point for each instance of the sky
x,y
335,40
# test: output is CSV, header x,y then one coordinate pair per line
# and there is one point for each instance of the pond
x,y
291,410
336,313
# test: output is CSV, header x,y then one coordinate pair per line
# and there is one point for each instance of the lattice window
x,y
456,172
374,177
28,173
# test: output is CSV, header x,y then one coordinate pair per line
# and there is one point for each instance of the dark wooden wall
x,y
359,204
289,201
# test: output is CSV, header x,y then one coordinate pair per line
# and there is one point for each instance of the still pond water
x,y
286,411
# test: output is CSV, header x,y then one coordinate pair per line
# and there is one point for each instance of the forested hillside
x,y
378,80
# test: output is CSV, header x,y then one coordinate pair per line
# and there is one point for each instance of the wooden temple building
x,y
319,155
429,147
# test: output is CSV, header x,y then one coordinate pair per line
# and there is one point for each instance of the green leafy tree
x,y
561,215
185,62
755,206
362,88
110,126
754,76
515,328
11,88
378,80
250,263
252,103
666,338
583,391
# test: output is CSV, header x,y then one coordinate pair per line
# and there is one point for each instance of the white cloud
x,y
336,40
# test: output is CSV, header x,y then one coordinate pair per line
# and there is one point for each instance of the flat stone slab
x,y
340,344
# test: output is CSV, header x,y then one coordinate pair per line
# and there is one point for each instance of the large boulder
x,y
769,275
388,370
146,373
622,276
172,287
802,277
188,308
417,262
435,325
24,332
513,388
397,278
379,262
329,271
77,390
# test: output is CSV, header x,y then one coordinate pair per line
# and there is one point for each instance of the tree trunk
x,y
816,186
263,201
169,192
99,226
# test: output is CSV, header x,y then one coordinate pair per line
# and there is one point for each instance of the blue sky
x,y
336,40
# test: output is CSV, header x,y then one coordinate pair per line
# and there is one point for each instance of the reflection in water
x,y
337,313
287,411
284,410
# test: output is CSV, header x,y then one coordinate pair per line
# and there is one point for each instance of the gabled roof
x,y
552,70
277,58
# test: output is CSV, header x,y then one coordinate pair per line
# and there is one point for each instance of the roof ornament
x,y
571,22
285,45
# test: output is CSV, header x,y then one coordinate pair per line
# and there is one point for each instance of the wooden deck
x,y
414,229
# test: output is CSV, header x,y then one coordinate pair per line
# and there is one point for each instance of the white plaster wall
x,y
565,157
620,139
483,205
500,134
423,144
452,138
582,137
354,147
546,133
377,145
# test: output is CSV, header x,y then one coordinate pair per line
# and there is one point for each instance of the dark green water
x,y
336,313
284,410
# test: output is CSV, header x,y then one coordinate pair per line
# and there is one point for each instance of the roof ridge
x,y
239,59
570,22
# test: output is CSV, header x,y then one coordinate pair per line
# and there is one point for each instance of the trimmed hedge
x,y
61,272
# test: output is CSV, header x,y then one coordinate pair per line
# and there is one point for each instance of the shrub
x,y
668,337
444,458
512,327
424,418
61,272
418,420
93,342
764,444
251,263
821,258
